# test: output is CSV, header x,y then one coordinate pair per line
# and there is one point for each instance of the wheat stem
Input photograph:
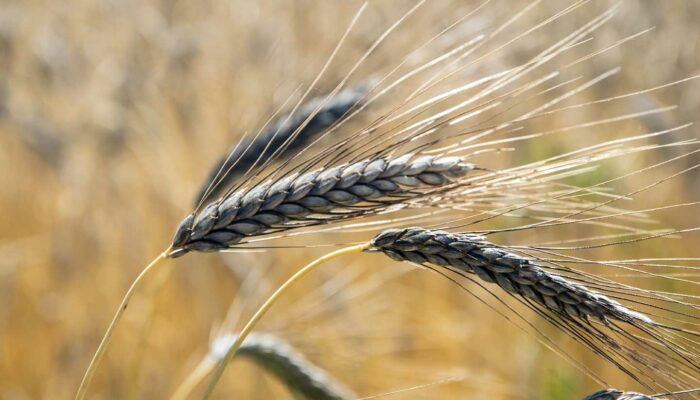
x,y
99,353
197,375
146,323
268,304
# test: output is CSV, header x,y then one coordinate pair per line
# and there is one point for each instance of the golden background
x,y
112,113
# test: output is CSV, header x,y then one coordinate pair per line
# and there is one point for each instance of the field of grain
x,y
112,114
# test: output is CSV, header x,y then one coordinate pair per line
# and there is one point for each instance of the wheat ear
x,y
513,273
248,328
104,343
291,367
614,394
277,357
567,304
290,132
313,198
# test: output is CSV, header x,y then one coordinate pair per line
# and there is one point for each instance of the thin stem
x,y
192,380
150,309
267,305
94,363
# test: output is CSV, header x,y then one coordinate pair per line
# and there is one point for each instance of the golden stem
x,y
100,352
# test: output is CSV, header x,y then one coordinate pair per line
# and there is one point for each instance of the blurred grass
x,y
111,112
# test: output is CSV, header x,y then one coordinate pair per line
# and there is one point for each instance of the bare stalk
x,y
193,379
100,352
146,322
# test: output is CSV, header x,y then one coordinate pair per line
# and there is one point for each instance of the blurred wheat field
x,y
112,113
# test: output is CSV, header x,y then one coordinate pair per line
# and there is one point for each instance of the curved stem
x,y
99,353
267,305
193,379
161,278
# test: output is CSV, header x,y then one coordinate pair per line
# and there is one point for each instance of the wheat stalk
x,y
102,347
